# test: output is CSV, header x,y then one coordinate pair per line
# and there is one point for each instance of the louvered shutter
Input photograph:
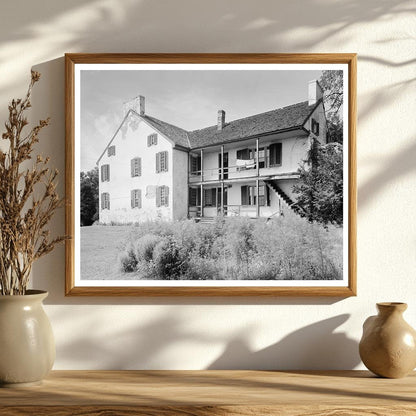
x,y
132,196
139,198
157,162
158,192
166,162
149,141
132,168
102,201
167,196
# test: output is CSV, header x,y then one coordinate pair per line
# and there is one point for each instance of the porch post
x,y
222,180
257,157
257,199
202,200
202,165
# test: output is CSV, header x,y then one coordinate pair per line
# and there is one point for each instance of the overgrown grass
x,y
285,248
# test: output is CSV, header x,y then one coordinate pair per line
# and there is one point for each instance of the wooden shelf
x,y
211,393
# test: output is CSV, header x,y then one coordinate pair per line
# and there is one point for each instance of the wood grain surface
x,y
203,393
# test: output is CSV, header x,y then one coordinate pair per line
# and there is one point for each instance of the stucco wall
x,y
130,143
200,333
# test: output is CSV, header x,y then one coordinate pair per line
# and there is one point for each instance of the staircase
x,y
282,195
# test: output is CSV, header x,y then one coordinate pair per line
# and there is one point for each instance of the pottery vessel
x,y
27,346
388,345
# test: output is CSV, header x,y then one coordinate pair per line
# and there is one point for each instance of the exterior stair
x,y
282,195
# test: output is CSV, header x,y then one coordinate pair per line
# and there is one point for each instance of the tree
x,y
89,197
320,186
332,84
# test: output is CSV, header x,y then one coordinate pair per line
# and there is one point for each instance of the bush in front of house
x,y
145,246
127,259
286,248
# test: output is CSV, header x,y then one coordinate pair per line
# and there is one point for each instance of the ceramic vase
x,y
388,345
27,346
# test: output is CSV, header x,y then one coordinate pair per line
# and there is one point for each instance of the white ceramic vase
x,y
27,346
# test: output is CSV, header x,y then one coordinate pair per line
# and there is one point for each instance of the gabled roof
x,y
274,121
176,134
290,117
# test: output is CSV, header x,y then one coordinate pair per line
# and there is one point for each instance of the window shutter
x,y
149,141
132,194
167,196
157,162
139,197
102,173
102,201
165,164
108,201
275,154
158,192
132,168
139,162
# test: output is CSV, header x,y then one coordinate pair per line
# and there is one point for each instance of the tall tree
x,y
333,84
89,197
320,187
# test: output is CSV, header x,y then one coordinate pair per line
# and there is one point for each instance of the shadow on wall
x,y
146,346
99,26
313,347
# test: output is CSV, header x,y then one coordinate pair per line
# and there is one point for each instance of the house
x,y
151,169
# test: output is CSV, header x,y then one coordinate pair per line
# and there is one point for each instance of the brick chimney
x,y
221,119
137,104
315,92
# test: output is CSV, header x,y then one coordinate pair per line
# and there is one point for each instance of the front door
x,y
225,166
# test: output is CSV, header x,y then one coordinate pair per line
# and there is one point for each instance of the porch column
x,y
202,165
257,199
222,180
257,157
202,200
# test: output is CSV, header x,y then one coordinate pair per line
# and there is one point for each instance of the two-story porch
x,y
252,178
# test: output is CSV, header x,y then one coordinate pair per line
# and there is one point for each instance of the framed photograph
x,y
211,174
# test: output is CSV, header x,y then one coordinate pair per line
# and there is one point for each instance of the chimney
x,y
137,104
315,92
221,119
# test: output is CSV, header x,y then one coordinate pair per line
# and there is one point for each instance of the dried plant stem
x,y
24,216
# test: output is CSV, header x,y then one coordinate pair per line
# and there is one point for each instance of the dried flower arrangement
x,y
28,199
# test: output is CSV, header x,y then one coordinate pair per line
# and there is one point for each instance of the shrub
x,y
127,259
144,247
167,258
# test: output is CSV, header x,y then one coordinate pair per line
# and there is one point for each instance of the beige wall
x,y
197,333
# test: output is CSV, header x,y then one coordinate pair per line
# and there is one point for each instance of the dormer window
x,y
152,140
111,151
315,127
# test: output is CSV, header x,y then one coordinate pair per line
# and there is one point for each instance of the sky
x,y
189,99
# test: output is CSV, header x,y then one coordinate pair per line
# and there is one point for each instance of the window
x,y
136,198
111,151
152,140
261,156
161,162
249,195
315,127
105,200
194,197
136,167
275,152
105,173
243,154
162,196
195,164
210,197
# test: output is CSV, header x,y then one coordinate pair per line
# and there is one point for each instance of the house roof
x,y
176,134
286,118
271,121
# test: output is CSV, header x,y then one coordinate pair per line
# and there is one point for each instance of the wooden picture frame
x,y
255,197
